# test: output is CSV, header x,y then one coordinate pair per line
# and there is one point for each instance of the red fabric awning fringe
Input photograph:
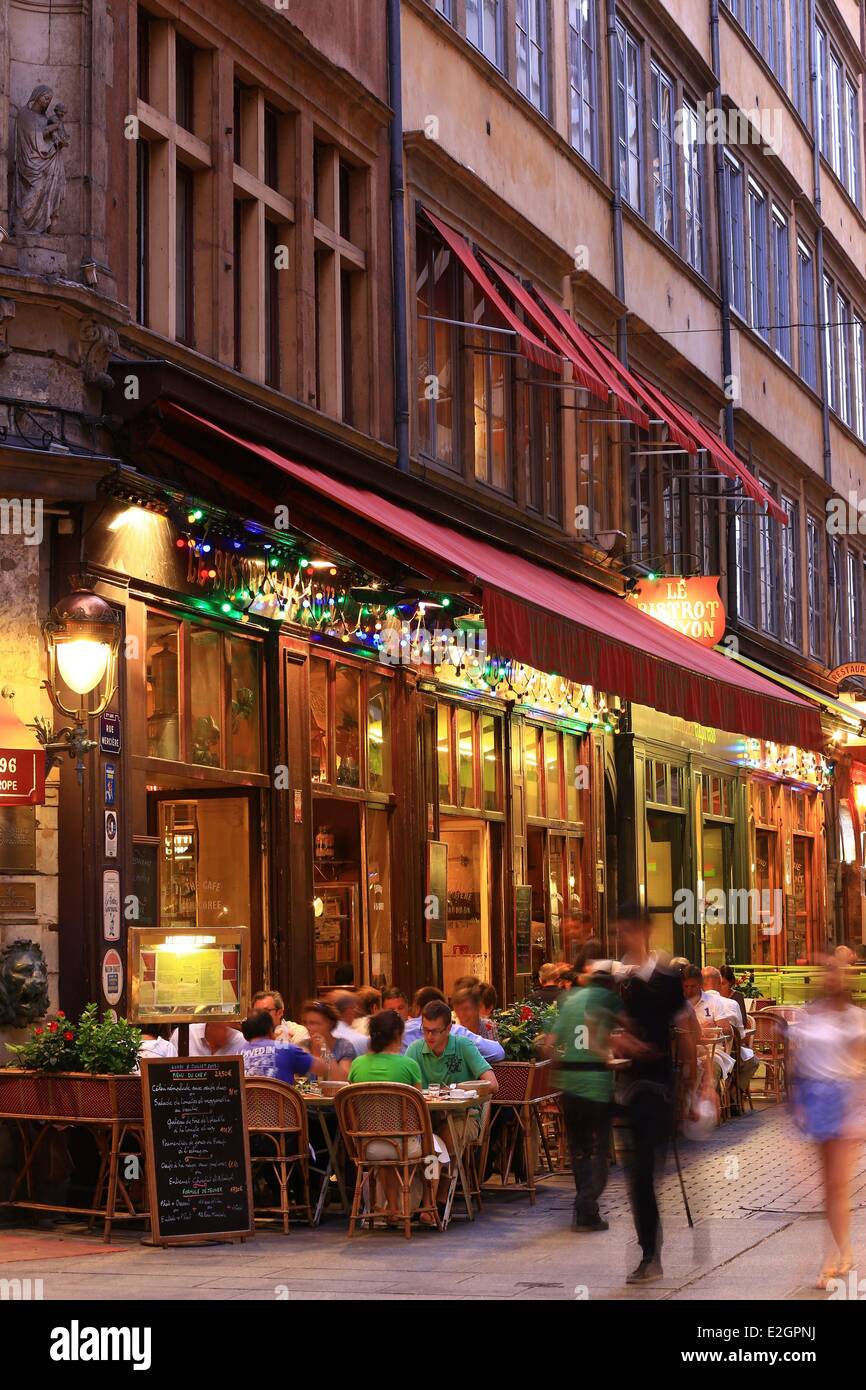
x,y
571,628
530,346
608,363
591,375
725,460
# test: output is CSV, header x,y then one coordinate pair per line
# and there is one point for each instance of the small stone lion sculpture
x,y
23,984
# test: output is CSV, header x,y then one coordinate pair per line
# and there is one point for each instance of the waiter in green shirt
x,y
581,1035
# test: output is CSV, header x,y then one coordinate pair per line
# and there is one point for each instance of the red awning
x,y
724,459
614,371
530,346
568,627
686,431
593,376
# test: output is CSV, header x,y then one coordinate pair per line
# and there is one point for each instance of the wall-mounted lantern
x,y
82,642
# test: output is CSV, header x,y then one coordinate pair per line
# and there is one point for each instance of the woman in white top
x,y
827,1062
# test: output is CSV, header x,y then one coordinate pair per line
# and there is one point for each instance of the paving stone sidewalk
x,y
754,1190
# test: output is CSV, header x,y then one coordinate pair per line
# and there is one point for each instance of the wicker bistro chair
x,y
375,1117
770,1047
277,1119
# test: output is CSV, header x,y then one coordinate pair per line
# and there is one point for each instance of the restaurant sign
x,y
690,606
844,672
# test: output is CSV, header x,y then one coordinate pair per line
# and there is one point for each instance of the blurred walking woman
x,y
828,1061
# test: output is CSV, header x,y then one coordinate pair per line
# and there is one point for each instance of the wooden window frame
x,y
331,787
186,625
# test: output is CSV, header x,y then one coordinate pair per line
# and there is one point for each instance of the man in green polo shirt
x,y
446,1059
582,1035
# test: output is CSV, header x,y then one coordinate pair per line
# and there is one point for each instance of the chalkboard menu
x,y
197,1155
523,928
145,877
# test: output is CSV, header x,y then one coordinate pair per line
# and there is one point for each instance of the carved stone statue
x,y
40,168
23,984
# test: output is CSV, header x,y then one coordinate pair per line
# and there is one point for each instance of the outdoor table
x,y
452,1106
318,1104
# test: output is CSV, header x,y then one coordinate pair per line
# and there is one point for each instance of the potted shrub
x,y
83,1070
752,995
523,1076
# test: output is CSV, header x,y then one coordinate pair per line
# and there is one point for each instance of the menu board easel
x,y
196,1149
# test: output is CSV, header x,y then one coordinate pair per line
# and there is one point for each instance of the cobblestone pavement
x,y
754,1190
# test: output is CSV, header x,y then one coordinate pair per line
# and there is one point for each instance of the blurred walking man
x,y
655,1005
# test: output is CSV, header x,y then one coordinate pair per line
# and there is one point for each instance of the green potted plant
x,y
523,1075
753,996
67,1070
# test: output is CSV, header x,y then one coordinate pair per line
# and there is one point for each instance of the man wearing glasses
x,y
446,1059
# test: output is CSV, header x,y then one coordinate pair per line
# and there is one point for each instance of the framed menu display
x,y
196,1150
186,975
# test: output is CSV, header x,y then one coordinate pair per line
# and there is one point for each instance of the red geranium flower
x,y
37,1031
525,1014
69,1036
52,1027
60,1013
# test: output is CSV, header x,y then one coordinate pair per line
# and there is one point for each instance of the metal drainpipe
x,y
819,252
398,239
725,293
616,195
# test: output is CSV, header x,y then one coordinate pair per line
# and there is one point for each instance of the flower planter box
x,y
69,1096
520,1082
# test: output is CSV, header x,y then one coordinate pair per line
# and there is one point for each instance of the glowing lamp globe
x,y
82,664
82,641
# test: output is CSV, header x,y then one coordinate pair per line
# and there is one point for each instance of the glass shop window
x,y
219,724
163,696
245,731
378,734
443,753
491,758
465,758
551,774
350,726
319,720
531,779
347,726
206,683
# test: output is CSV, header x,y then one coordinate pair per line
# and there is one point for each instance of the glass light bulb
x,y
82,663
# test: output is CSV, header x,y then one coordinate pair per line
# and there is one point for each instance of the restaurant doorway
x,y
210,862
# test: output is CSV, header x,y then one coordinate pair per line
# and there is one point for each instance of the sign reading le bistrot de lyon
x,y
690,606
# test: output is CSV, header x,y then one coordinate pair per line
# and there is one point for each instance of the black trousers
x,y
587,1124
650,1116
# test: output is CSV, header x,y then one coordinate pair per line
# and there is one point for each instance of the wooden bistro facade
x,y
267,764
377,741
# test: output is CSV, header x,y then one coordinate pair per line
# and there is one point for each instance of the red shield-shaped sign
x,y
690,606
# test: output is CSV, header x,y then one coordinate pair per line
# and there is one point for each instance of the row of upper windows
x,y
758,248
837,99
173,171
777,568
779,29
